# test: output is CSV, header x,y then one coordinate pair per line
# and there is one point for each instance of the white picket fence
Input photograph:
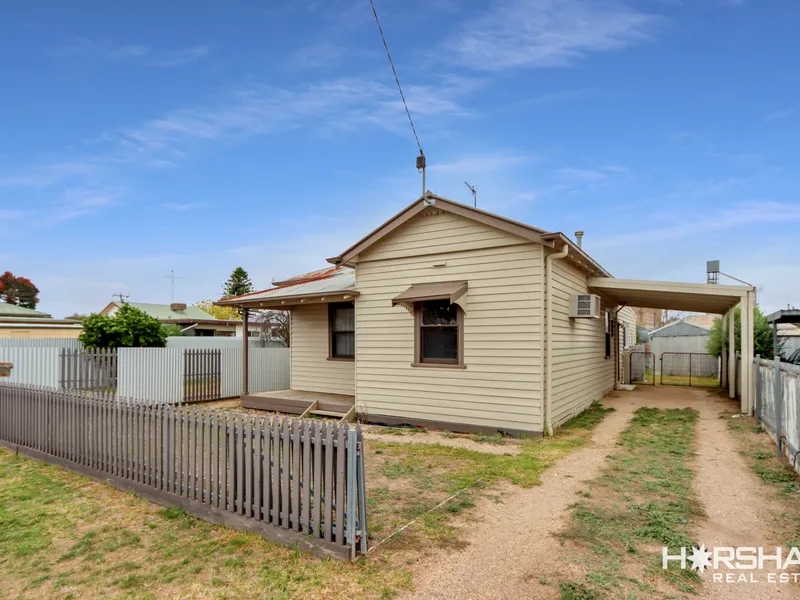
x,y
155,375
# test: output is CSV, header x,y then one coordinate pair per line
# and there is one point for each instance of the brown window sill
x,y
438,365
341,359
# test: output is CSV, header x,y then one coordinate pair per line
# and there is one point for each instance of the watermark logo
x,y
729,564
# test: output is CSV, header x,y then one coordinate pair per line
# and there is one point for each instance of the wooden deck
x,y
295,402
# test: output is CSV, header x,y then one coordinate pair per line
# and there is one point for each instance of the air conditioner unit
x,y
584,306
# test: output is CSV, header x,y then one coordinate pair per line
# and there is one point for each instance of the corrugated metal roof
x,y
339,279
163,312
21,321
679,329
12,310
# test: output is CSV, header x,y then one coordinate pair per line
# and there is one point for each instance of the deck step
x,y
327,413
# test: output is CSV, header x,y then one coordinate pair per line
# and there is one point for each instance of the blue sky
x,y
142,137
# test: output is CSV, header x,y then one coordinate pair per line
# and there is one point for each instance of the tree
x,y
18,290
762,335
238,283
274,325
129,327
172,330
227,313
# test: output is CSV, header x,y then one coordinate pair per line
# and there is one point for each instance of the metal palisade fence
x,y
298,482
150,375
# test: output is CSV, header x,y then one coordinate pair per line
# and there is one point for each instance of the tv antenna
x,y
474,194
121,297
172,281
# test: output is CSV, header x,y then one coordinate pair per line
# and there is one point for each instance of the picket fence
x,y
298,482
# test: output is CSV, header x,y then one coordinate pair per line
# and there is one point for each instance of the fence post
x,y
352,469
778,393
757,407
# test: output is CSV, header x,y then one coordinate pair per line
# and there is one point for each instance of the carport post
x,y
747,353
731,354
245,349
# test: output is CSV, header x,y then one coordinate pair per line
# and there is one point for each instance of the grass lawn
x,y
63,535
685,380
759,450
640,502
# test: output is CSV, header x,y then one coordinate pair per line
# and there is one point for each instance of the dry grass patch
x,y
759,450
64,536
641,501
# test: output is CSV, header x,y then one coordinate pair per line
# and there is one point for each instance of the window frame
x,y
447,363
332,306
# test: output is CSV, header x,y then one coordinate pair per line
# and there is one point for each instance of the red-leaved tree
x,y
18,290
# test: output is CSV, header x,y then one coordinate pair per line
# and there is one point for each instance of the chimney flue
x,y
579,238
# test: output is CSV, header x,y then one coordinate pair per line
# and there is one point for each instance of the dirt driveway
x,y
514,549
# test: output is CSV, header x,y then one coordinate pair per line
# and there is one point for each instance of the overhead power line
x,y
396,78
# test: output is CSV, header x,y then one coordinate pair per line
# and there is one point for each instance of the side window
x,y
439,332
608,324
342,327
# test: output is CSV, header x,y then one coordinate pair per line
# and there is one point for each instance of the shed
x,y
678,337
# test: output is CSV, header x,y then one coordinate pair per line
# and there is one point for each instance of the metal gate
x,y
690,368
643,368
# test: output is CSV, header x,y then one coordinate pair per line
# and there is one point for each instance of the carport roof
x,y
691,297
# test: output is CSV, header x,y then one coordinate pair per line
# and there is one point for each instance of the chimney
x,y
177,307
579,238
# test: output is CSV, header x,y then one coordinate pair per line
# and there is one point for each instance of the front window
x,y
342,323
439,332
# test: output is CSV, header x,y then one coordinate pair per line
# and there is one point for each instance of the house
x,y
790,334
192,320
20,322
448,316
651,318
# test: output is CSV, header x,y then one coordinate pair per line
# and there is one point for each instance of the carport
x,y
696,297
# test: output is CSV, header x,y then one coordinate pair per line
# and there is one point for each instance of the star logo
x,y
701,558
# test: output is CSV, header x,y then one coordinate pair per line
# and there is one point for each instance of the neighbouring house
x,y
651,318
19,322
192,320
679,338
448,316
790,334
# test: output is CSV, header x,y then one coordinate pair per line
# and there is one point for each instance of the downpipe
x,y
548,311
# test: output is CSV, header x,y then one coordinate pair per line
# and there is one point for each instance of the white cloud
x,y
102,49
79,202
42,176
339,105
182,206
707,221
184,56
478,163
582,175
547,33
315,56
783,113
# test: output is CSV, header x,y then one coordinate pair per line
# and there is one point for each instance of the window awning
x,y
452,291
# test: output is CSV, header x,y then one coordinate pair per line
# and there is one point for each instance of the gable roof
x,y
12,310
528,232
680,329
